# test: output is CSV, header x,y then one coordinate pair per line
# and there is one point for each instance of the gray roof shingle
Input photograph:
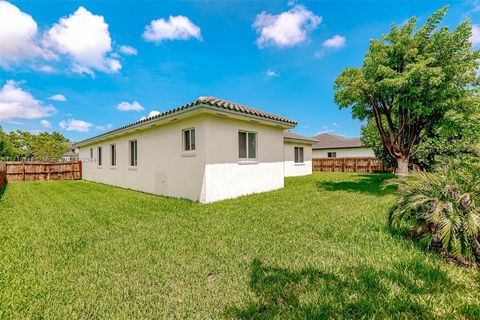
x,y
331,141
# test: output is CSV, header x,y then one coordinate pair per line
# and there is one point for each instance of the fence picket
x,y
33,171
350,164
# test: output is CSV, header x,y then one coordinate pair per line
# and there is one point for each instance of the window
x,y
99,151
189,139
298,154
113,155
91,153
247,145
332,154
133,153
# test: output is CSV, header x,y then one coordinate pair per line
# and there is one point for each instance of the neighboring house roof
x,y
201,102
290,136
333,141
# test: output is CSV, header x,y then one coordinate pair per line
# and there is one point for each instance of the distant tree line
x,y
25,145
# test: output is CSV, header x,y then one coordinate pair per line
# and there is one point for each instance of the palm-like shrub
x,y
441,208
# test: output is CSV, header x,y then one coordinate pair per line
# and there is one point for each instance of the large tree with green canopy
x,y
409,81
41,146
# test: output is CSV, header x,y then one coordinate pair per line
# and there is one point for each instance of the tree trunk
x,y
402,166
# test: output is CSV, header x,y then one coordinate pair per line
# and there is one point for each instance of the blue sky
x,y
114,62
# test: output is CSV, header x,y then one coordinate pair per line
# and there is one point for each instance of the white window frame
x,y
296,157
192,147
99,156
332,154
247,133
133,161
113,155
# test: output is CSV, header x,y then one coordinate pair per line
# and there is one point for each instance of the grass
x,y
317,249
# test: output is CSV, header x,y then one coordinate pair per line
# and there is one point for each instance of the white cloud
x,y
45,68
18,34
128,50
287,29
152,113
335,42
475,37
17,103
271,73
127,106
85,38
58,97
104,128
82,39
75,125
176,28
46,124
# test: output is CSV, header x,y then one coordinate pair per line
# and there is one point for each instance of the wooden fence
x,y
33,171
359,164
3,175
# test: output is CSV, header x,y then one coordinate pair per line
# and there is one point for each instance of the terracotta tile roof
x,y
332,141
206,100
293,136
241,108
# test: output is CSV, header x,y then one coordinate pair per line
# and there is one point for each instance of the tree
x,y
48,146
44,145
6,149
409,81
456,135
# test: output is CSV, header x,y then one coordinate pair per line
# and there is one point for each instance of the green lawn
x,y
318,248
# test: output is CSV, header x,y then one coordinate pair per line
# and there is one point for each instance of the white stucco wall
x,y
227,176
297,169
213,172
347,152
163,168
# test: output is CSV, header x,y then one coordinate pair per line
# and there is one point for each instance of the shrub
x,y
441,209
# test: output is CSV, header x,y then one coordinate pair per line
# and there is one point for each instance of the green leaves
x,y
445,201
20,144
412,81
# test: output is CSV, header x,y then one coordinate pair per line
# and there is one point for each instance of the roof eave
x,y
195,108
297,140
324,148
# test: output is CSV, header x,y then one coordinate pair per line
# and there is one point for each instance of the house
x,y
207,150
336,146
297,154
71,154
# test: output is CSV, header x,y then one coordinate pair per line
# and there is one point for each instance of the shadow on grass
x,y
364,292
364,183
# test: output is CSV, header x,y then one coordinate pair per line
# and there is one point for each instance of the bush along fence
x,y
34,171
358,164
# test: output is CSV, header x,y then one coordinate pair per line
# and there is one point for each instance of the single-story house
x,y
71,154
207,150
336,146
297,154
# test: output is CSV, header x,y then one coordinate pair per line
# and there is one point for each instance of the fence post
x,y
343,165
369,165
23,171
